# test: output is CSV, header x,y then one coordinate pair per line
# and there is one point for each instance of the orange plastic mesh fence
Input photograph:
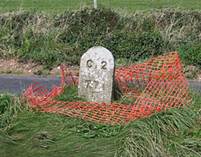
x,y
156,85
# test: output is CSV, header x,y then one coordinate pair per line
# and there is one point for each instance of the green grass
x,y
43,5
29,133
70,94
61,5
39,134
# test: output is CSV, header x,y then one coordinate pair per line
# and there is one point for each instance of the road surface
x,y
17,84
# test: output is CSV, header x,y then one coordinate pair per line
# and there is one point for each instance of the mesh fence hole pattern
x,y
156,85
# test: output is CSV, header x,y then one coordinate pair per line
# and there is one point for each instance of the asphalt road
x,y
17,84
195,85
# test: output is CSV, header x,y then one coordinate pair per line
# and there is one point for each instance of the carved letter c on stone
x,y
89,63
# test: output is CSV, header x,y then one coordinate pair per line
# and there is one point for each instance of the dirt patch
x,y
72,69
12,66
199,77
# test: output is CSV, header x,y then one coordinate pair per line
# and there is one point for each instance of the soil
x,y
199,77
12,66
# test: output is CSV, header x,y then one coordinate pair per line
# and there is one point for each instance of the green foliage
x,y
9,106
135,46
85,29
70,94
191,54
79,21
53,39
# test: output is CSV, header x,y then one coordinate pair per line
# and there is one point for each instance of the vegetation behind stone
x,y
52,39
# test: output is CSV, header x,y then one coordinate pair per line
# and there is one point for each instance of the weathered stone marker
x,y
96,75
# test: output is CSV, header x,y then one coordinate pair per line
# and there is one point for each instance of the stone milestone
x,y
96,75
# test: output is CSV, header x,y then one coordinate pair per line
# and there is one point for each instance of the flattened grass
x,y
172,133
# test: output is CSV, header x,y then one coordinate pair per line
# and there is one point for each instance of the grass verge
x,y
176,132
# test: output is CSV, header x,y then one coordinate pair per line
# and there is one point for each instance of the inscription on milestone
x,y
96,75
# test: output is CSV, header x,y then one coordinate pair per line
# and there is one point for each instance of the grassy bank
x,y
24,132
53,39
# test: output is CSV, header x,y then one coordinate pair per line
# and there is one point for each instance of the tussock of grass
x,y
148,137
164,134
9,107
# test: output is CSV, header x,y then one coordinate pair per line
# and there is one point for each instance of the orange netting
x,y
156,85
